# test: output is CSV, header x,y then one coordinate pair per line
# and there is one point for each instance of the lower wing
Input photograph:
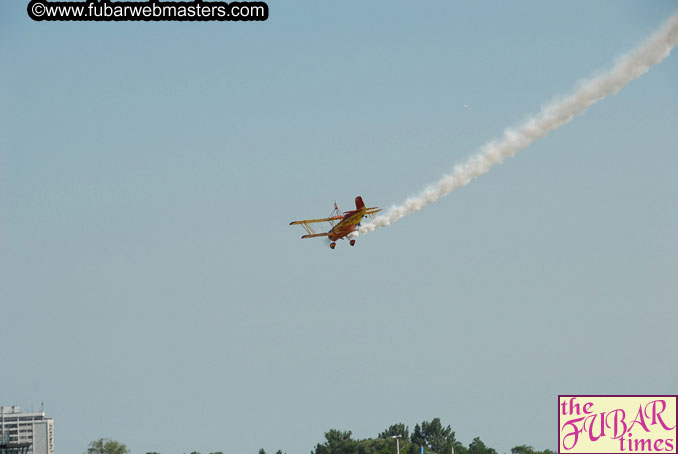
x,y
315,235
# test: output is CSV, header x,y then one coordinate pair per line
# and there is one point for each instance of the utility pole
x,y
397,443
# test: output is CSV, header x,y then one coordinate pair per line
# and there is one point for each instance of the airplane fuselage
x,y
347,225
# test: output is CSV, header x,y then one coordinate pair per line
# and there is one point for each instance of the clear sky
x,y
152,291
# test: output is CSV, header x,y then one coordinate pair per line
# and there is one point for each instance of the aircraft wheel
x,y
352,242
333,245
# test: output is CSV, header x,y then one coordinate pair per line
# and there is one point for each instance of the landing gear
x,y
352,242
333,245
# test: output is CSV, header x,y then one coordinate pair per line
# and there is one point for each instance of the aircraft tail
x,y
359,204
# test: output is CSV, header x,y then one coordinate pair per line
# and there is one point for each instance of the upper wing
x,y
368,211
308,221
311,233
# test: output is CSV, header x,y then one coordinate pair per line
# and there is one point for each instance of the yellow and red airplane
x,y
347,224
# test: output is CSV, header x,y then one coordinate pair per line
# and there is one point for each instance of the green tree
x,y
400,430
337,442
417,436
524,449
478,447
439,438
380,446
436,437
107,446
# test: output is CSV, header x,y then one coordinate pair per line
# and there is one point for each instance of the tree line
x,y
431,435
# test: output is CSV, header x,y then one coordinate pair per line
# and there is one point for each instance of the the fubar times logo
x,y
617,424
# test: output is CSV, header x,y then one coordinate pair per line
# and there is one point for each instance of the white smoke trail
x,y
627,68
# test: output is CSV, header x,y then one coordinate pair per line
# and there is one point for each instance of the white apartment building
x,y
33,428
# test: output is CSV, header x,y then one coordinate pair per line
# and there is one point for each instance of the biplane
x,y
342,223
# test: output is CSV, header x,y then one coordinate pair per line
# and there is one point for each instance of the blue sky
x,y
152,291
